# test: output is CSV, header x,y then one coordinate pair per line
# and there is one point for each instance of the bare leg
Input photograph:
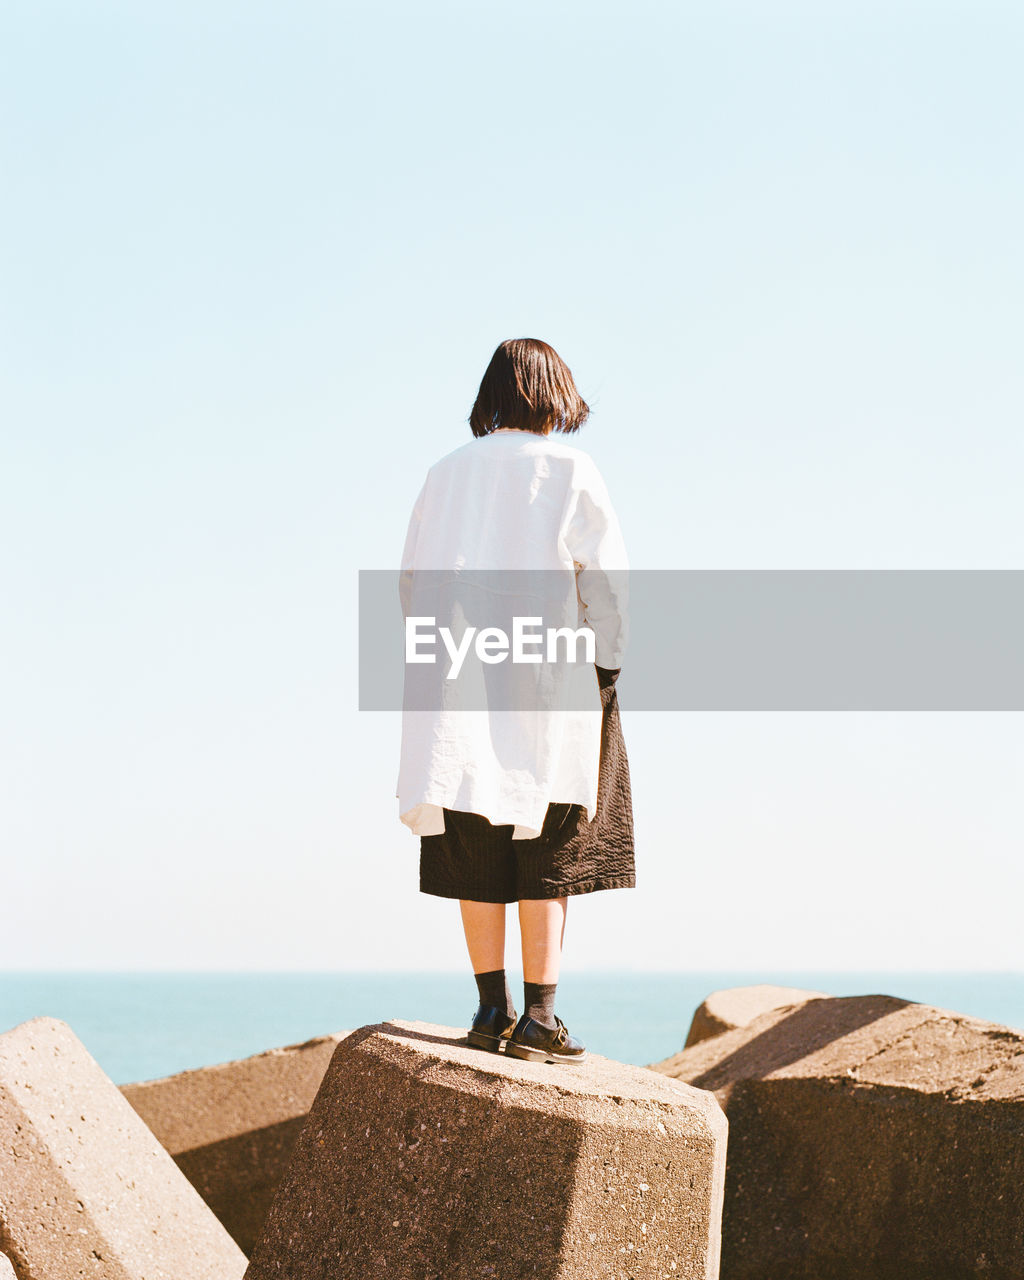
x,y
484,923
542,924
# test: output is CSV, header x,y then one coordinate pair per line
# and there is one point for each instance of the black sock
x,y
493,988
540,1002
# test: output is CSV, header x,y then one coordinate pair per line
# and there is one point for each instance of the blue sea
x,y
142,1025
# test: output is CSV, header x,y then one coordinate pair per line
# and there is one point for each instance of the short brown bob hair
x,y
527,386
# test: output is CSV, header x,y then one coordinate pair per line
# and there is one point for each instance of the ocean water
x,y
144,1025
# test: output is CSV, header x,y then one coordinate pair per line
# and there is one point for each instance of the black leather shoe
x,y
536,1043
491,1028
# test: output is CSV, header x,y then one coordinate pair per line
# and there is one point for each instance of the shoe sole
x,y
479,1041
529,1054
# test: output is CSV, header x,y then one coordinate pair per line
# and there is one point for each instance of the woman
x,y
518,790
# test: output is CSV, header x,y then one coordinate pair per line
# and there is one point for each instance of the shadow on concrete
x,y
807,1029
390,1028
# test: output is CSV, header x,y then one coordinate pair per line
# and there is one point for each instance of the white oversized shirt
x,y
514,500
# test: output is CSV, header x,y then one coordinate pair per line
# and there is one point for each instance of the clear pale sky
x,y
255,259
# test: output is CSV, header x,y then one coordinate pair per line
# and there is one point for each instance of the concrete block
x,y
85,1188
739,1006
231,1127
870,1138
425,1159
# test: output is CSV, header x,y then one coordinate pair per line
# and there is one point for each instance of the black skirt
x,y
480,862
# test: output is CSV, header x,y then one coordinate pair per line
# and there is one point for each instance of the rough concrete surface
x,y
425,1159
739,1006
85,1188
231,1127
870,1138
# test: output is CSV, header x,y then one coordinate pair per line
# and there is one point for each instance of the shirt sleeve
x,y
595,541
409,552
